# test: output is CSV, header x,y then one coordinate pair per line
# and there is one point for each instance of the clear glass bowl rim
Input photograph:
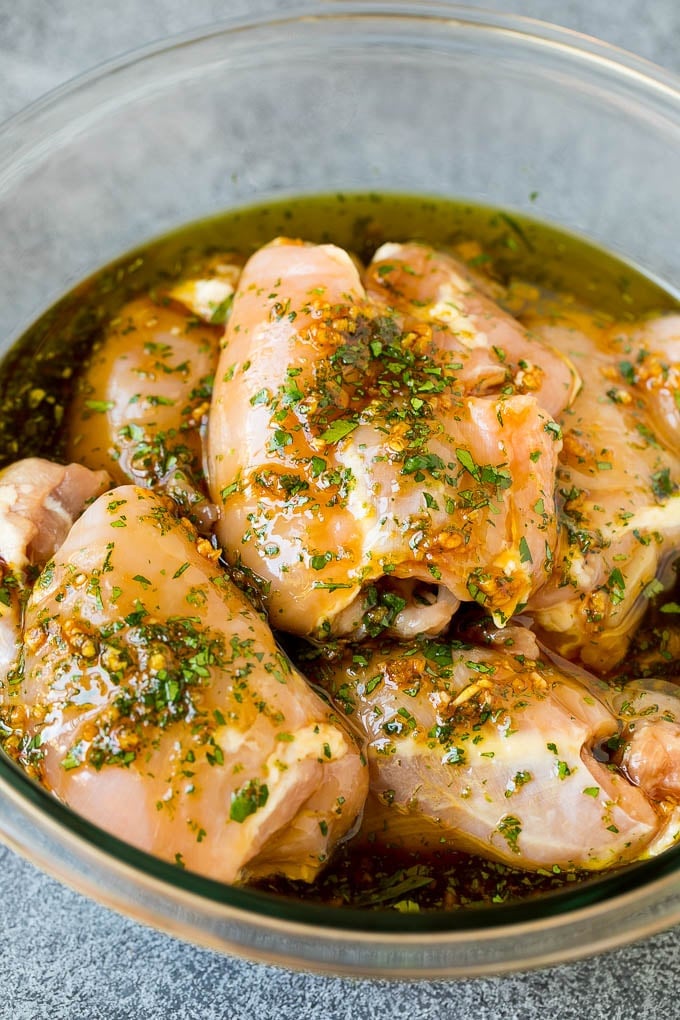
x,y
630,889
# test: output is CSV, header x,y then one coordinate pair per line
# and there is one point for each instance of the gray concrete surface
x,y
62,956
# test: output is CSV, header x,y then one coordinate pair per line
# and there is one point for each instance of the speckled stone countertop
x,y
63,956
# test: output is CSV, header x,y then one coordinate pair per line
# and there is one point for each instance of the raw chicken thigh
x,y
495,752
158,705
649,745
142,401
39,502
494,350
617,485
344,450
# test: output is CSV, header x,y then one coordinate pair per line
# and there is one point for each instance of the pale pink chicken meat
x,y
343,451
142,400
617,484
652,347
490,751
495,351
165,711
39,502
649,745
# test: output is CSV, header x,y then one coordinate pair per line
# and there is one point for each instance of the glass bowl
x,y
408,97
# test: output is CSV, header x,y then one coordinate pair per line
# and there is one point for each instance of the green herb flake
x,y
524,551
652,588
406,907
616,586
454,756
510,829
216,756
228,491
247,800
71,761
279,441
261,397
464,457
99,406
423,462
221,311
373,683
627,371
337,430
662,486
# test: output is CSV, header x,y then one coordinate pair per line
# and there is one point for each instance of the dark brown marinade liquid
x,y
37,378
372,878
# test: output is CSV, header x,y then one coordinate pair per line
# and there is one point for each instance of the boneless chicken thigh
x,y
142,399
617,484
649,744
355,473
497,753
493,349
160,707
39,502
